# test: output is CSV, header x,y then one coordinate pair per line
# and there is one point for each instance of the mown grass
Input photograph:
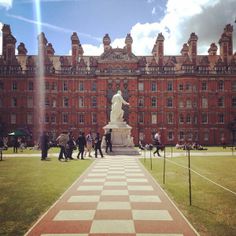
x,y
29,186
213,210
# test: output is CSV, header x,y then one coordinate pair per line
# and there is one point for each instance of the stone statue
x,y
116,108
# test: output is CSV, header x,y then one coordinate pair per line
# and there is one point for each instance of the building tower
x,y
192,42
158,49
8,44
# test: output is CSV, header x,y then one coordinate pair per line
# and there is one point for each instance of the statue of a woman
x,y
116,108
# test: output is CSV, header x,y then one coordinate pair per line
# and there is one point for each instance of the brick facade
x,y
188,97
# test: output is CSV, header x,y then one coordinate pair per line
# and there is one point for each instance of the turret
x,y
192,42
213,49
106,42
22,51
185,50
226,43
158,49
50,50
77,50
128,43
42,44
8,44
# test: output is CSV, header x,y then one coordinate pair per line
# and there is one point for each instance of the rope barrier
x,y
204,177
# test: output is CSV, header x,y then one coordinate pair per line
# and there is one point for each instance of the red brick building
x,y
188,97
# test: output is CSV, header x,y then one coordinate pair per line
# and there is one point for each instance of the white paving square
x,y
115,177
144,198
63,234
84,198
74,215
113,205
112,226
115,172
151,215
115,192
134,174
138,180
94,180
90,187
115,183
140,188
97,174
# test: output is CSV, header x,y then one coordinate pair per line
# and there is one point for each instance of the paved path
x,y
115,196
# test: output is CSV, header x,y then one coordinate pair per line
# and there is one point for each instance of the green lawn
x,y
29,186
213,210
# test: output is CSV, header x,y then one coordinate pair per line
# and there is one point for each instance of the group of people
x,y
157,144
84,143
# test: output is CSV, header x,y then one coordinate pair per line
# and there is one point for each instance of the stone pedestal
x,y
122,141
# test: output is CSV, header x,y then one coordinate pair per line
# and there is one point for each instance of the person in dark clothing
x,y
71,145
44,145
81,142
97,143
108,140
15,144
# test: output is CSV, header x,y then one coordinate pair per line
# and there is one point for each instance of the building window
x,y
181,119
170,136
195,119
234,102
141,102
54,102
188,119
94,86
14,85
181,87
206,136
181,104
30,102
81,102
1,102
153,86
181,136
14,102
1,86
204,86
204,118
153,102
169,102
221,85
189,103
65,86
170,118
81,118
169,86
141,117
94,118
154,118
204,103
47,118
65,102
233,86
65,119
47,102
13,118
29,119
221,118
221,102
54,86
140,86
94,102
189,136
31,86
188,87
53,118
47,86
81,86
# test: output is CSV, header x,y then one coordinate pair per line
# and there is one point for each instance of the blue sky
x,y
144,19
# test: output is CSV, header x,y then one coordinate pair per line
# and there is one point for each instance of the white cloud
x,y
206,18
6,4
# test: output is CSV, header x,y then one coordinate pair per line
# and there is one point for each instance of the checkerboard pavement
x,y
115,196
